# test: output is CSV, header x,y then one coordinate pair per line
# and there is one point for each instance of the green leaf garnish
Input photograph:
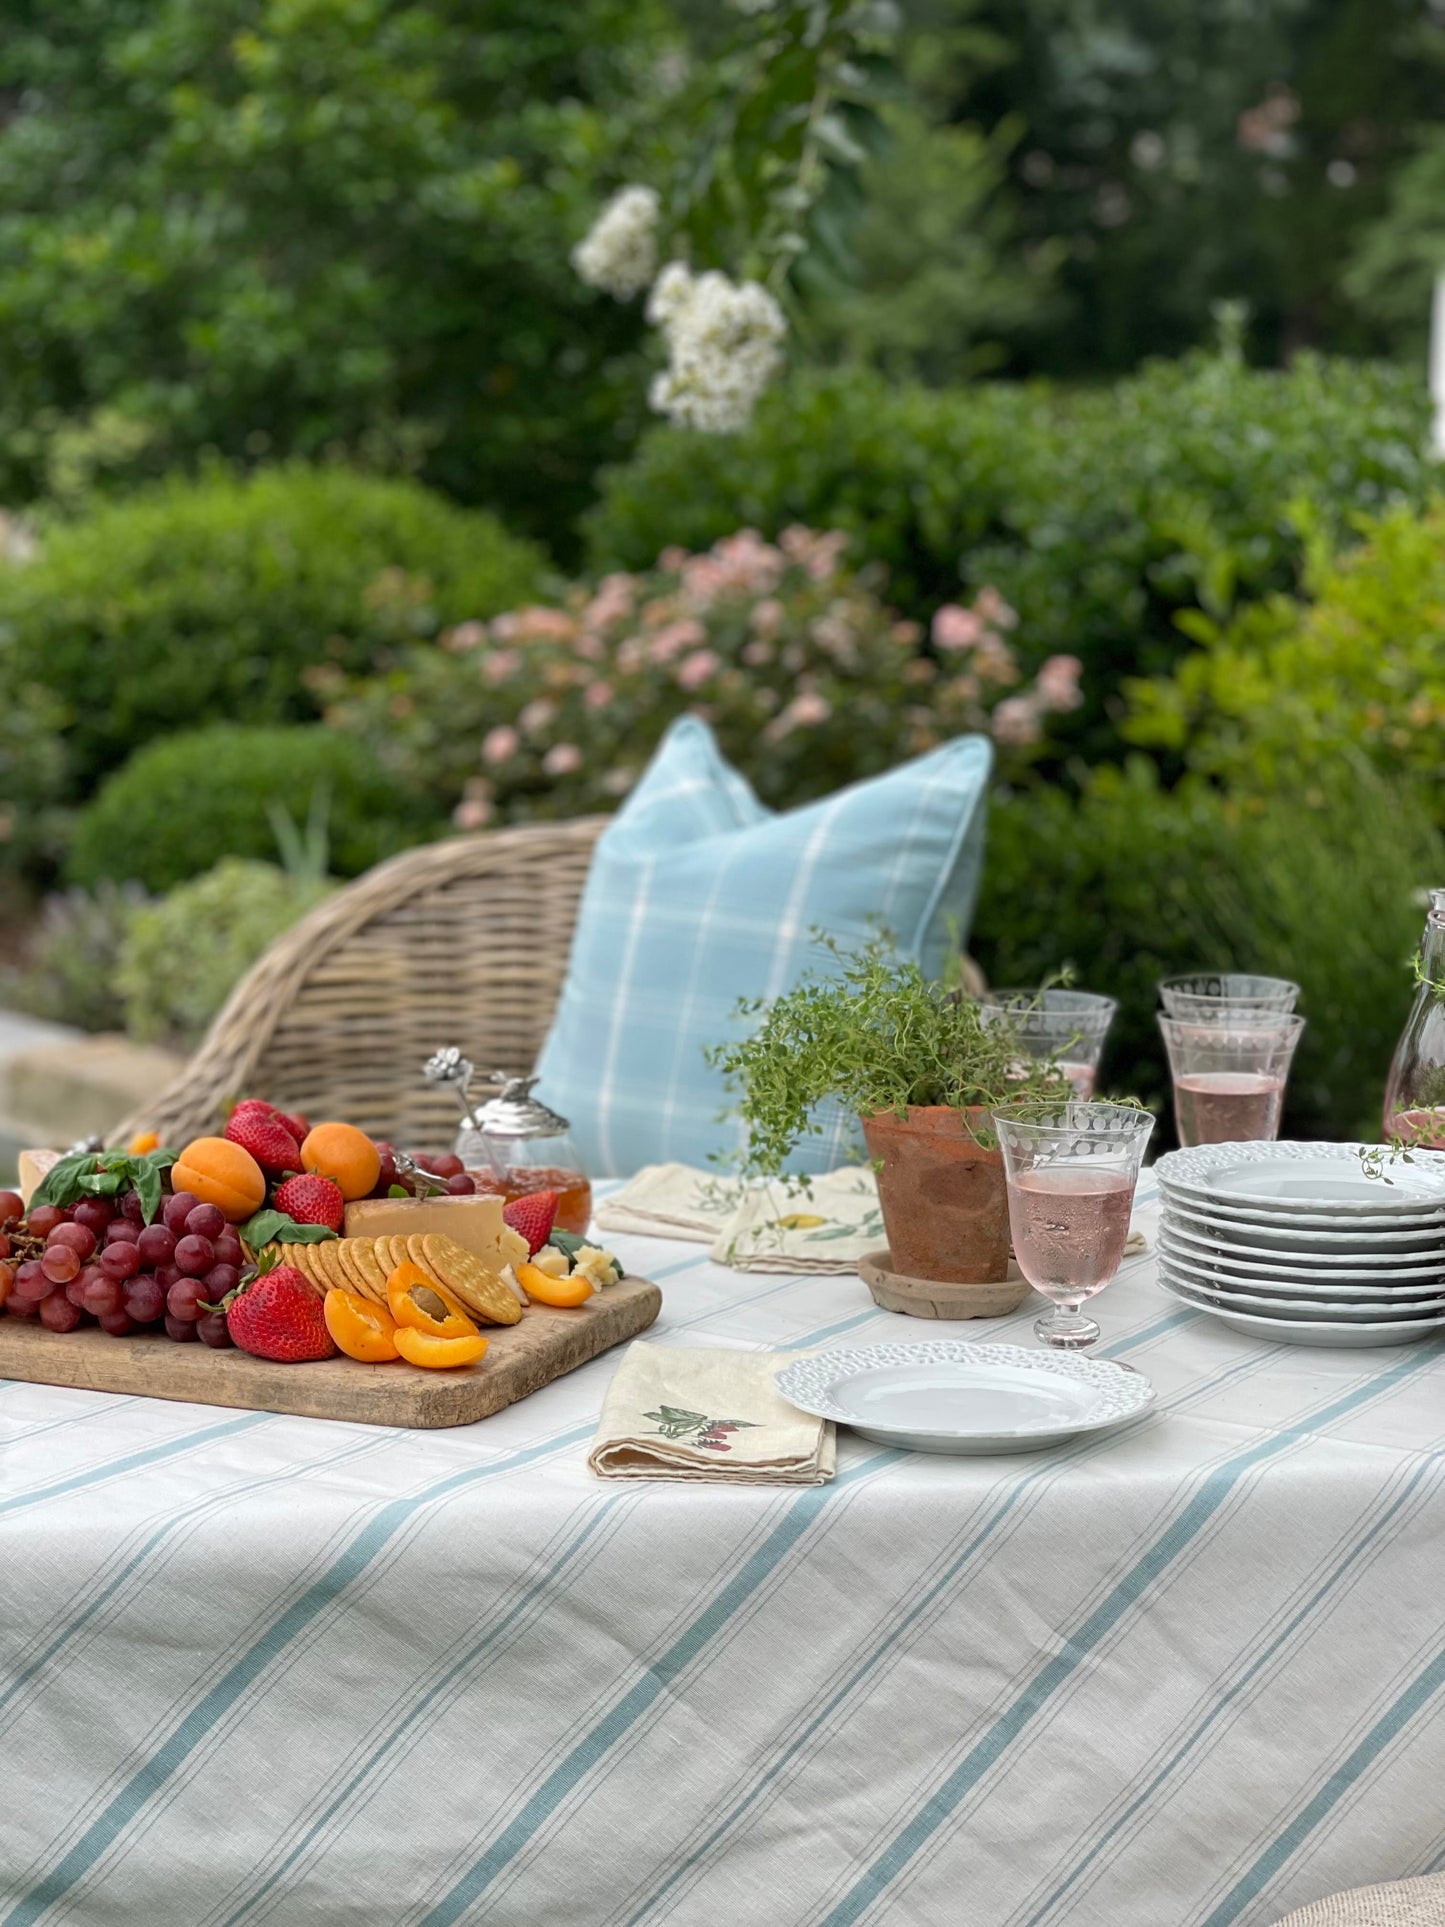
x,y
274,1227
104,1174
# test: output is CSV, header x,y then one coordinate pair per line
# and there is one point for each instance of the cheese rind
x,y
475,1223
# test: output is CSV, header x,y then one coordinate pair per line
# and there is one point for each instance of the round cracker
x,y
367,1258
464,1275
350,1263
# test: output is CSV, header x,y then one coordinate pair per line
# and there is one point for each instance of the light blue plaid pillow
x,y
698,896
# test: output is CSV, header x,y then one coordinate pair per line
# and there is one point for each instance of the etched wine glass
x,y
1229,1073
1071,1170
1068,1025
1206,993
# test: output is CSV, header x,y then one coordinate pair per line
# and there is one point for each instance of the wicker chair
x,y
464,941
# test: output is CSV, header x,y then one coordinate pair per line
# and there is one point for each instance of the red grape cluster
x,y
445,1165
100,1260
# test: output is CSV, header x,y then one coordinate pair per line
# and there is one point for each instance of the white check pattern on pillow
x,y
699,895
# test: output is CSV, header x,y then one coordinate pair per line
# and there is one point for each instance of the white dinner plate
x,y
953,1395
1283,1178
1301,1236
1300,1289
1381,1311
1275,1264
1300,1331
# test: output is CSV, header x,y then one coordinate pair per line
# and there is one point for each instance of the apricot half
x,y
544,1289
421,1348
424,1304
221,1173
361,1329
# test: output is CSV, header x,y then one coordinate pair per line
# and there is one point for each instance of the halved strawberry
x,y
311,1199
533,1216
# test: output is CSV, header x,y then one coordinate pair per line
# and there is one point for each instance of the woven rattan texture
x,y
462,942
1400,1903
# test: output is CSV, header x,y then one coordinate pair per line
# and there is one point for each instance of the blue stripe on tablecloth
x,y
112,1583
124,1805
151,1455
1389,1726
985,1752
109,1404
660,1674
1221,1706
352,1786
916,1606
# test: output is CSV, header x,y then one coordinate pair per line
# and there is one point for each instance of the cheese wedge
x,y
474,1223
33,1166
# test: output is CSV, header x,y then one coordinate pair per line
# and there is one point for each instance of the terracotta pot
x,y
944,1205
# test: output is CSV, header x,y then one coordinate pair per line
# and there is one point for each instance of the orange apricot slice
x,y
361,1329
423,1303
544,1289
421,1348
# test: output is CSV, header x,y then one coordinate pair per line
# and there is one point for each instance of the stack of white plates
x,y
1301,1243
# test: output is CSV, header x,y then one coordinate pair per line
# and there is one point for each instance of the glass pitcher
x,y
1415,1093
514,1144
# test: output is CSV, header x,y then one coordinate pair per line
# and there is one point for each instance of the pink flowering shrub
x,y
809,680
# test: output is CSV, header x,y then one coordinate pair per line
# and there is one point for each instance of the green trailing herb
x,y
876,1035
105,1174
274,1227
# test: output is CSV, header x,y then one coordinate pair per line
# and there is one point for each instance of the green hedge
x,y
221,599
1100,514
1130,883
179,805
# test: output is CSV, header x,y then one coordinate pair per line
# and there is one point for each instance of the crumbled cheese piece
x,y
597,1266
509,1279
552,1261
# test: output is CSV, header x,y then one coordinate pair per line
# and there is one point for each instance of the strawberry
x,y
297,1123
533,1216
311,1199
280,1316
257,1129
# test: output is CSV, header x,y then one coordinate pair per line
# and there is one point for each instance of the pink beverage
x,y
1070,1224
1418,1130
1081,1076
1227,1107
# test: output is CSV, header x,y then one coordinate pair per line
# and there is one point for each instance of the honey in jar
x,y
513,1144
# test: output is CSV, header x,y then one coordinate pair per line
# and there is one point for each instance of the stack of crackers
x,y
364,1264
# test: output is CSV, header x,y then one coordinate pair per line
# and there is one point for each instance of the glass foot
x,y
1066,1331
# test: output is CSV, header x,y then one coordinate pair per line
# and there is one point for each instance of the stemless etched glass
x,y
1229,1072
1071,1170
1070,1025
1204,992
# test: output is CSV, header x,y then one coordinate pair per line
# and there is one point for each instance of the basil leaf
x,y
565,1241
146,1175
274,1227
61,1184
101,1184
398,1191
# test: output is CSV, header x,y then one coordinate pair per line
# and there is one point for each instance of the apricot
x,y
544,1289
424,1304
361,1329
144,1141
345,1155
444,1354
221,1173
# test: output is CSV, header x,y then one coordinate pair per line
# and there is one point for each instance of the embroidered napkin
x,y
671,1201
675,1412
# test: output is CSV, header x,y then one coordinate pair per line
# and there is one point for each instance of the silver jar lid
x,y
515,1113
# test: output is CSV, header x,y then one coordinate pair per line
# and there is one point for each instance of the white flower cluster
x,y
619,252
723,342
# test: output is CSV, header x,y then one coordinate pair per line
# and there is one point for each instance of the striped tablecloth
x,y
259,1669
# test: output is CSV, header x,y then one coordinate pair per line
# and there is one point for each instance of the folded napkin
x,y
675,1412
761,1227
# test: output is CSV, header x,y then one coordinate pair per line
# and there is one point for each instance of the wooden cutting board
x,y
520,1359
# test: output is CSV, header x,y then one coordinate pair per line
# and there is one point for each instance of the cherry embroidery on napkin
x,y
674,1423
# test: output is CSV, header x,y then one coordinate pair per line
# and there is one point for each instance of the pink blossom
x,y
539,624
906,634
500,665
676,638
591,648
1016,722
672,559
597,695
995,661
767,616
803,712
833,635
694,670
465,636
613,602
989,604
817,554
1058,683
500,744
756,654
631,655
474,813
537,715
956,629
562,759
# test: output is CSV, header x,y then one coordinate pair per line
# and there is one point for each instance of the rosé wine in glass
x,y
1218,1107
1229,1073
1069,1026
1070,1170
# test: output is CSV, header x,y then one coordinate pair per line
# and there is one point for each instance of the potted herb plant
x,y
922,1070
